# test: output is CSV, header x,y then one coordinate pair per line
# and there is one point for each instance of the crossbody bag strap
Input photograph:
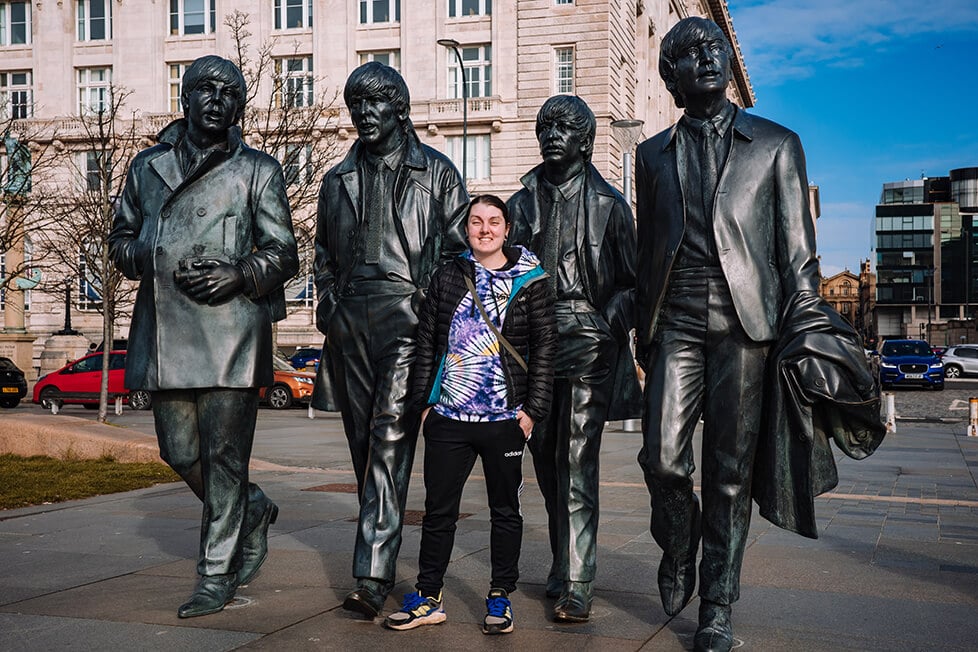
x,y
485,316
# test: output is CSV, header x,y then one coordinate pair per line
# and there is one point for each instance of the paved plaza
x,y
895,567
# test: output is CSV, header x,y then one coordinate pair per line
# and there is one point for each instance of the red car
x,y
78,383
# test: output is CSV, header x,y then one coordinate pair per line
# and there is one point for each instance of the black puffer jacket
x,y
529,326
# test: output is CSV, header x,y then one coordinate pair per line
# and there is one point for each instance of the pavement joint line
x,y
943,502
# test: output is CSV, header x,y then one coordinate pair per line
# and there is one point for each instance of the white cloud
x,y
783,39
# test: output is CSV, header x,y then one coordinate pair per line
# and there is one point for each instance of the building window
x,y
478,70
293,14
192,17
175,82
563,2
390,58
296,164
16,96
295,83
564,70
89,282
93,170
461,8
94,20
380,11
478,159
94,90
15,23
301,289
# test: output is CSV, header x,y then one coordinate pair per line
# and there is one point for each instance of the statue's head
x,y
695,58
215,69
379,104
565,130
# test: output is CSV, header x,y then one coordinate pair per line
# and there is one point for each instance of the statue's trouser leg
x,y
451,448
702,363
566,454
371,350
208,433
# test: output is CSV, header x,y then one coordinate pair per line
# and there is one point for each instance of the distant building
x,y
927,257
866,314
842,292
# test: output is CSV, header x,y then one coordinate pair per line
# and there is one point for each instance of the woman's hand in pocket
x,y
526,423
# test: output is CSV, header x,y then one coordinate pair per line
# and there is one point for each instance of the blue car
x,y
306,357
910,362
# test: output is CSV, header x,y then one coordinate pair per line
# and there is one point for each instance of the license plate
x,y
913,376
9,390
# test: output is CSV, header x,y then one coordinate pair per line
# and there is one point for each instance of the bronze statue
x,y
582,230
204,225
727,277
388,213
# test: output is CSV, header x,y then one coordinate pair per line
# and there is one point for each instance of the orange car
x,y
290,386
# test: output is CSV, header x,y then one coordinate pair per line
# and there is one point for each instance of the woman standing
x,y
482,376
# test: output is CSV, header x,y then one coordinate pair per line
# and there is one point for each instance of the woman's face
x,y
487,230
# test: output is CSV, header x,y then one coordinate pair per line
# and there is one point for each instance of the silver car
x,y
961,360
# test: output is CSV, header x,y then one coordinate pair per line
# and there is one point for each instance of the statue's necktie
x,y
374,194
708,167
551,242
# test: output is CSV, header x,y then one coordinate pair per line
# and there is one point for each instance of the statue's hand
x,y
210,281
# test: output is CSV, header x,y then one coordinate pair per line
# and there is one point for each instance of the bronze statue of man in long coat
x,y
204,225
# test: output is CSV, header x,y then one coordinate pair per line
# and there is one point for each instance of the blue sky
x,y
878,90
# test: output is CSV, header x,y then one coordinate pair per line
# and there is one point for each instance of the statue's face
x,y
703,69
212,107
377,122
560,143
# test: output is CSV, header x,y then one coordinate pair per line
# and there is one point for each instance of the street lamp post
x,y
453,45
628,132
68,330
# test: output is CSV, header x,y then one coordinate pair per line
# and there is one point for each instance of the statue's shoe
x,y
715,633
676,583
367,599
210,596
574,603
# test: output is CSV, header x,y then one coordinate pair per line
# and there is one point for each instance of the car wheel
x,y
952,371
279,397
47,398
9,402
140,399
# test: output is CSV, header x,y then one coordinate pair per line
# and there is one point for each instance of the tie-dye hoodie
x,y
472,386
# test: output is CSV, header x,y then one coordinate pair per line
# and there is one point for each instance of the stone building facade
x,y
56,57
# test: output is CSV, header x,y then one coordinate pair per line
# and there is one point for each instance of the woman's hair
x,y
489,200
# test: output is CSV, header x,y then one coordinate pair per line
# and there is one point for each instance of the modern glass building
x,y
927,257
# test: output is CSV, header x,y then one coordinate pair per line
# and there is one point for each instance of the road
x,y
291,438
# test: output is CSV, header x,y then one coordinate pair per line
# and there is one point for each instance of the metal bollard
x,y
890,412
311,413
118,406
631,425
973,417
54,407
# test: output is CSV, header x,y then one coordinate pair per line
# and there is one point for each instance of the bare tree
x,y
291,115
92,159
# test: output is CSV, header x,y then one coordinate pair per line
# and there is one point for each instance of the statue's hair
x,y
685,34
218,69
574,111
376,79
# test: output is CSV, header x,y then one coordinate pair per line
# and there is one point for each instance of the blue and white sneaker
x,y
417,610
499,613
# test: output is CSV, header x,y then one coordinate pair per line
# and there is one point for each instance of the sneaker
x,y
499,613
417,610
